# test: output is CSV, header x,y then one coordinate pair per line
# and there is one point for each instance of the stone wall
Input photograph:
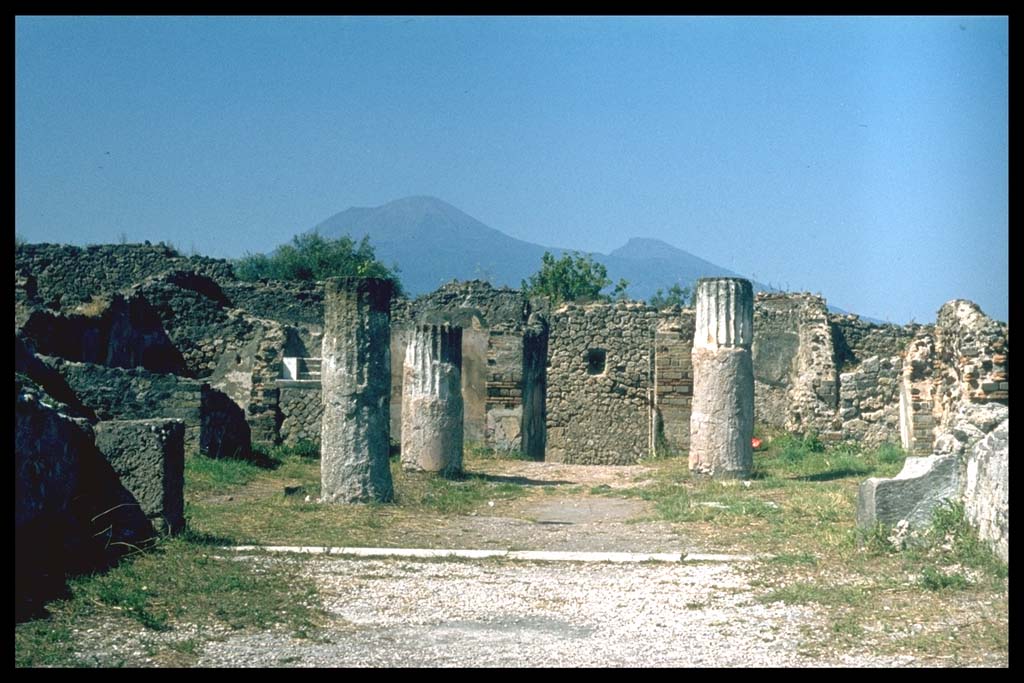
x,y
856,340
117,331
213,423
986,490
67,276
291,303
195,313
954,421
599,377
71,513
963,360
973,351
497,307
869,400
302,409
796,384
673,382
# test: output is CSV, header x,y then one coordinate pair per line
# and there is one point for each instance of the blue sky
x,y
863,158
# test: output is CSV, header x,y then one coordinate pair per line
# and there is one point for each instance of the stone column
x,y
432,408
356,382
722,414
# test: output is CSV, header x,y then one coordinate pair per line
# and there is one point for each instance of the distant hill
x,y
433,242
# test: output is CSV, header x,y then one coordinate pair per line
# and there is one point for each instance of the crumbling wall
x,y
117,331
599,377
856,340
67,276
214,425
196,314
973,352
26,298
986,490
953,414
497,306
300,304
796,385
869,400
673,381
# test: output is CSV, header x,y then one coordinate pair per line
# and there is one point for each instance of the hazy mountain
x,y
432,242
649,264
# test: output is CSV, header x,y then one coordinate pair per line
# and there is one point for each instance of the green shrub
x,y
306,449
311,257
574,277
890,453
934,580
794,448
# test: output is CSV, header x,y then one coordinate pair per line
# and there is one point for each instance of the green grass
x,y
182,580
934,579
800,507
205,475
478,451
269,504
805,593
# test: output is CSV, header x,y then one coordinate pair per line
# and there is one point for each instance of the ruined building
x,y
136,333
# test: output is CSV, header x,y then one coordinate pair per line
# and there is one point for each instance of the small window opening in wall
x,y
595,361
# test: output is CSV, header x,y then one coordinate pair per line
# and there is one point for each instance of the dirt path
x,y
557,514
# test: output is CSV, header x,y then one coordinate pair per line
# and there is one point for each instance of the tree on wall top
x,y
574,277
312,257
675,296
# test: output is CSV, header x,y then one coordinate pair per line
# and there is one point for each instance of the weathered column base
x,y
722,414
432,436
356,469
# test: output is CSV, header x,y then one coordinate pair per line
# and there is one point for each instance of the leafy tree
x,y
313,257
675,296
574,277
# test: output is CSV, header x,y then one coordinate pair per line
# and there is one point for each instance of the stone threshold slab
x,y
525,555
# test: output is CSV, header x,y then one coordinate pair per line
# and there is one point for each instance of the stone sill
x,y
298,383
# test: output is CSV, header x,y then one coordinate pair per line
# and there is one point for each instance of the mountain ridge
x,y
433,242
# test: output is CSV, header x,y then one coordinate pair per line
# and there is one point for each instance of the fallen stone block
x,y
912,495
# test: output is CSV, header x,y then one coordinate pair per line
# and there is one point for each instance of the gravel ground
x,y
391,612
398,613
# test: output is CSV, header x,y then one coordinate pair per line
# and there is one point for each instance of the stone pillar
x,y
722,414
356,381
432,407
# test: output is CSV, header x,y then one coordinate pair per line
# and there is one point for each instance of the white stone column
x,y
432,409
722,414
